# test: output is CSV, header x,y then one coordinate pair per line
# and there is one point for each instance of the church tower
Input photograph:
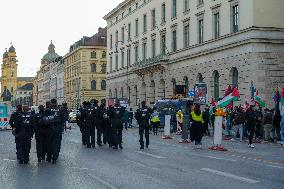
x,y
9,74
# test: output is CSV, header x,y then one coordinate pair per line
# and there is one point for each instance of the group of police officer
x,y
47,126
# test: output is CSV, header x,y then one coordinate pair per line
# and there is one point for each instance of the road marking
x,y
220,173
151,155
212,157
280,167
12,160
97,178
141,164
1,144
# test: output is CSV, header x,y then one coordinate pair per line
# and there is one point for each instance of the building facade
x,y
85,69
155,45
9,80
23,95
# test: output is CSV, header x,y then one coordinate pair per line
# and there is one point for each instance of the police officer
x,y
143,116
116,116
81,122
13,123
66,115
24,129
98,121
56,120
105,124
41,134
88,117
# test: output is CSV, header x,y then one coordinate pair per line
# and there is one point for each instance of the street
x,y
166,164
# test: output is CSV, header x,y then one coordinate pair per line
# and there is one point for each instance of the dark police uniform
x,y
116,116
56,121
143,116
24,129
105,126
41,135
88,117
81,123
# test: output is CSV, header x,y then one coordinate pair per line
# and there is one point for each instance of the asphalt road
x,y
166,164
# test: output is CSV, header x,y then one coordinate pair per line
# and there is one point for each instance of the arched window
x,y
235,77
93,68
93,54
93,85
200,78
129,94
115,93
216,77
110,93
174,85
186,83
103,68
103,84
104,54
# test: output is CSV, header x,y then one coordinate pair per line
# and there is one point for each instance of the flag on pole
x,y
212,106
245,107
257,100
233,96
227,92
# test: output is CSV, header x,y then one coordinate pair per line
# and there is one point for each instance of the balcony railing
x,y
159,59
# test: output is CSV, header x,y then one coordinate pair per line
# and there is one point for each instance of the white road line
x,y
280,167
212,157
151,155
12,160
97,178
141,164
229,175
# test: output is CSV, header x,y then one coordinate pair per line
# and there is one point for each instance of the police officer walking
x,y
13,123
88,118
41,134
143,116
56,120
116,116
24,129
105,124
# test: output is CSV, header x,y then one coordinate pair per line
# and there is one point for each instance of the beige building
x,y
85,69
155,45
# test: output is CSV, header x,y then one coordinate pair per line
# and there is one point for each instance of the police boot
x,y
141,147
21,161
115,147
120,146
54,161
89,146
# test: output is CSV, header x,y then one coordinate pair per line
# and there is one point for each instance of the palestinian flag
x,y
245,107
258,101
233,96
227,92
212,106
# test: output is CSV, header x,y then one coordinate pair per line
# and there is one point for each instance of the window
x,y
103,85
129,10
136,53
235,77
128,54
122,59
116,37
93,54
129,31
12,89
122,14
110,41
122,34
153,48
93,85
186,36
174,8
93,68
110,64
116,62
104,54
103,68
121,92
116,19
144,51
200,2
200,31
163,16
136,27
163,44
200,78
185,6
153,13
115,93
136,5
235,19
174,40
216,77
144,23
12,74
216,20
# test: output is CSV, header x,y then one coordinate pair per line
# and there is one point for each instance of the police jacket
x,y
13,119
104,115
25,125
116,114
88,115
143,115
40,125
54,118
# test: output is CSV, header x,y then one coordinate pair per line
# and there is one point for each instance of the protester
x,y
267,124
196,129
251,119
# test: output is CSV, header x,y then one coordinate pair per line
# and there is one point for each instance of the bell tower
x,y
9,73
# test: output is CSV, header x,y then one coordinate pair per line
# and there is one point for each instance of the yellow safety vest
x,y
196,117
155,119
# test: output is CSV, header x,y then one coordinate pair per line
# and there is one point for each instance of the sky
x,y
31,24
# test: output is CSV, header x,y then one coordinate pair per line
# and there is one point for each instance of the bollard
x,y
217,140
167,128
184,136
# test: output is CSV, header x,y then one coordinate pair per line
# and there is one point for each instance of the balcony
x,y
151,65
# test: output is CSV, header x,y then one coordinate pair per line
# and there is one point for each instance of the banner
x,y
200,93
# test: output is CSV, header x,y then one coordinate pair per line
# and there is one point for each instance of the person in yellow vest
x,y
155,121
196,125
179,122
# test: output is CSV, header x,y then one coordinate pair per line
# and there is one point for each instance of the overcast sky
x,y
31,24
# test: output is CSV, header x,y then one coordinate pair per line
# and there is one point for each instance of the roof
x,y
116,9
26,87
99,39
28,79
51,55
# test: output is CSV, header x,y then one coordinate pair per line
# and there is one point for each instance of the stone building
x,y
155,45
23,95
85,69
10,80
